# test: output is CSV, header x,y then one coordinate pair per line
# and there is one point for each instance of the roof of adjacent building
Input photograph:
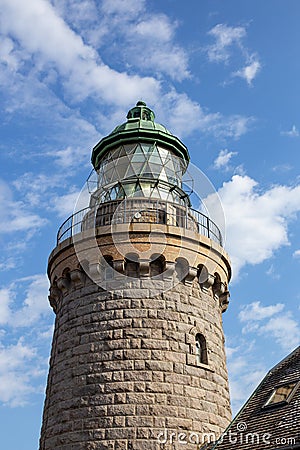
x,y
260,425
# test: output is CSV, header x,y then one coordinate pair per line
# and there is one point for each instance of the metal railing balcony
x,y
139,210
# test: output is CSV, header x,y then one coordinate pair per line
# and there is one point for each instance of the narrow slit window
x,y
201,350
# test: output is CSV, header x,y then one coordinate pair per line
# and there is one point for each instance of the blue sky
x,y
224,77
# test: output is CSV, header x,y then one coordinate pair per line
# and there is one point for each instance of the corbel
x,y
63,283
190,276
54,297
224,300
144,268
77,277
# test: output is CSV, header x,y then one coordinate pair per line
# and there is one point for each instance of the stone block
x,y
117,304
175,357
135,313
138,375
118,421
155,344
176,378
140,398
142,433
136,293
151,303
118,386
142,410
157,387
153,284
157,376
121,410
139,421
137,354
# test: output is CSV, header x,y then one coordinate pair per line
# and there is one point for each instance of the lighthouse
x,y
138,284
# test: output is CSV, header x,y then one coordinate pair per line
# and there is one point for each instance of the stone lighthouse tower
x,y
139,282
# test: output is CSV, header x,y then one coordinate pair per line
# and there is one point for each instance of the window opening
x,y
201,352
281,395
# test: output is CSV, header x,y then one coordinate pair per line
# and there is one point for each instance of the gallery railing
x,y
140,210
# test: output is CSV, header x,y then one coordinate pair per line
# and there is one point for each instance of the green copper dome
x,y
140,127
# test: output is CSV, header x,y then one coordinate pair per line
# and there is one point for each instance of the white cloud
x,y
245,372
81,68
34,306
36,187
283,168
273,322
145,40
256,222
26,94
271,272
7,54
164,29
285,330
296,254
185,116
43,191
243,383
68,156
294,132
223,158
24,308
225,37
165,56
255,311
48,333
12,358
250,71
233,126
15,215
47,23
64,204
230,351
130,8
16,373
8,263
79,14
5,301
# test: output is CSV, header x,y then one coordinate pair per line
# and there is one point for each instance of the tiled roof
x,y
274,427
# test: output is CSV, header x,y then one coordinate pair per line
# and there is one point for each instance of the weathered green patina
x,y
140,127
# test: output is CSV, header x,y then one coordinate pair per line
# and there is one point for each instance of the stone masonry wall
x,y
123,370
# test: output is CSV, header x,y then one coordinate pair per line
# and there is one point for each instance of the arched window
x,y
157,265
201,350
132,266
